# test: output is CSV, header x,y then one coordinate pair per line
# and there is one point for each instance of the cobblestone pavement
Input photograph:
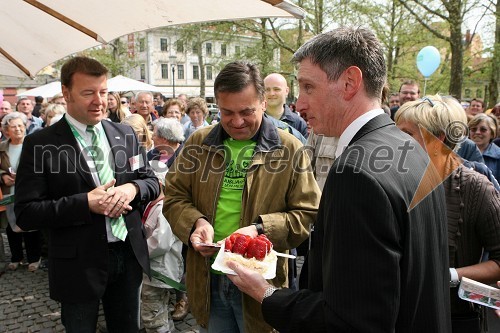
x,y
25,306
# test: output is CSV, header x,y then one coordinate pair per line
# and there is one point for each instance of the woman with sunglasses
x,y
483,130
472,203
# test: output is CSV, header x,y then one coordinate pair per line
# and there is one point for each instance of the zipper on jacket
x,y
212,221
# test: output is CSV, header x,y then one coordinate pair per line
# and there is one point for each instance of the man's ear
x,y
353,78
65,92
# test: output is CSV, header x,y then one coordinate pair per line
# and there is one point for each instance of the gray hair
x,y
169,129
337,50
143,93
11,116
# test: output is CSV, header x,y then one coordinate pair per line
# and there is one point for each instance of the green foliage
x,y
114,56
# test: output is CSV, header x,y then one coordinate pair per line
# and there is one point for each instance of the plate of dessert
x,y
254,253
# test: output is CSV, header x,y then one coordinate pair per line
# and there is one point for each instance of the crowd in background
x,y
163,125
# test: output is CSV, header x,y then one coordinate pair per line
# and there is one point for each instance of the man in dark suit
x,y
377,264
89,195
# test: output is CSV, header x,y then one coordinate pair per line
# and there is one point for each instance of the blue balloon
x,y
428,60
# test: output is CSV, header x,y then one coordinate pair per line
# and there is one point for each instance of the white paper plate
x,y
267,267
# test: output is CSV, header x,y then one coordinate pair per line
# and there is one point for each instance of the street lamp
x,y
173,81
173,60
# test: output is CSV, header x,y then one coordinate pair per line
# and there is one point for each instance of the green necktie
x,y
105,173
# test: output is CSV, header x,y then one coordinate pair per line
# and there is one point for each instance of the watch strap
x,y
454,279
259,227
269,291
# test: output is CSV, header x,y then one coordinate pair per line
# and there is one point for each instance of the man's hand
x,y
117,199
248,281
203,233
8,179
498,311
250,230
111,201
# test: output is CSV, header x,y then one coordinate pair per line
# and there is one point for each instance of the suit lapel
x,y
74,154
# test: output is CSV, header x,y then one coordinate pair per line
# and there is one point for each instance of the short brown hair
x,y
197,103
170,102
478,100
409,83
238,75
83,65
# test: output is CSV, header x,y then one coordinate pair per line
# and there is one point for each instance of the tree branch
x,y
424,24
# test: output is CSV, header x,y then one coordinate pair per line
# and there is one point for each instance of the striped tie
x,y
105,173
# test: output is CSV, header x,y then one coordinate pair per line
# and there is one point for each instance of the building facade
x,y
174,63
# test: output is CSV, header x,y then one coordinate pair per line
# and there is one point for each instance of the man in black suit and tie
x,y
377,263
86,180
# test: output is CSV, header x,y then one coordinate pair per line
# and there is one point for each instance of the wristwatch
x,y
259,227
269,291
454,279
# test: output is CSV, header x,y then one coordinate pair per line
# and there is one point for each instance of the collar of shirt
x,y
354,128
82,128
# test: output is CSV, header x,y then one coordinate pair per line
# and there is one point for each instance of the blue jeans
x,y
120,300
226,308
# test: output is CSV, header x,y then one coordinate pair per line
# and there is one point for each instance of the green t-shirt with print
x,y
238,158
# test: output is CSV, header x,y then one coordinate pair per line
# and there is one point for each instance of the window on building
x,y
196,72
142,44
237,50
164,71
208,48
223,50
479,93
180,72
209,72
179,46
467,93
143,71
164,44
195,48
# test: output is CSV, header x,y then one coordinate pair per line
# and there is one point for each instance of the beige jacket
x,y
280,189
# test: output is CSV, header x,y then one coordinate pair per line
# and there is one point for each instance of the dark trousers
x,y
31,242
120,300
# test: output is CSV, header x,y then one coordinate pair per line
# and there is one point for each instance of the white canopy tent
x,y
36,33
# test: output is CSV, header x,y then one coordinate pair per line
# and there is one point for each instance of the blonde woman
x,y
140,128
116,112
472,202
53,112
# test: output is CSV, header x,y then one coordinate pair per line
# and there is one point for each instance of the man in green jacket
x,y
241,175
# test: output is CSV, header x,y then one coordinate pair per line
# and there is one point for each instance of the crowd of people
x,y
126,195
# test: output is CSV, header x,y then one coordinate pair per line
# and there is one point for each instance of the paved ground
x,y
25,306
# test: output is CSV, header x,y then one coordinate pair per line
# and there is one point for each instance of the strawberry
x,y
229,242
240,244
267,241
228,245
257,248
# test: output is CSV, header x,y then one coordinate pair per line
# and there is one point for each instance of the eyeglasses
x,y
480,129
427,99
